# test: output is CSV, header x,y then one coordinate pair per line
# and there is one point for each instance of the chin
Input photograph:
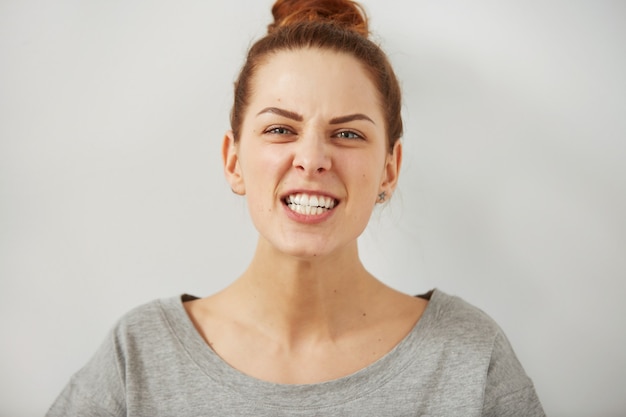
x,y
306,254
309,245
312,249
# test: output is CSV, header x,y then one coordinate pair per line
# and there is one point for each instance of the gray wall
x,y
513,191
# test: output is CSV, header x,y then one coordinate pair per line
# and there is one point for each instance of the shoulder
x,y
455,333
452,305
149,320
456,318
460,323
506,384
148,311
140,337
99,387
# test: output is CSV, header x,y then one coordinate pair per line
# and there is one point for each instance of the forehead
x,y
313,80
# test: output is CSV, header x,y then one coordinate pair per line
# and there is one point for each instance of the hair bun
x,y
345,13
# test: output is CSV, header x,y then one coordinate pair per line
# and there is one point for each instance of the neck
x,y
307,298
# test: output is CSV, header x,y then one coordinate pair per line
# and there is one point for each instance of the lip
x,y
308,218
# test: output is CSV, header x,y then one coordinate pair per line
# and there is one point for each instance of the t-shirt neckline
x,y
337,391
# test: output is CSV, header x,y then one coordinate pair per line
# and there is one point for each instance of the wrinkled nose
x,y
312,154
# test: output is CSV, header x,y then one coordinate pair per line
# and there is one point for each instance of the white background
x,y
513,191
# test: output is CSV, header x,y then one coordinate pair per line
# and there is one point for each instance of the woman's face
x,y
312,157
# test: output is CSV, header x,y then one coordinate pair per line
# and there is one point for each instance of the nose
x,y
312,154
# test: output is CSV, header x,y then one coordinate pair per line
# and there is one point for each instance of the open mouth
x,y
310,204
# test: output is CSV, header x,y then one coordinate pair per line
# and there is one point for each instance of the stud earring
x,y
382,196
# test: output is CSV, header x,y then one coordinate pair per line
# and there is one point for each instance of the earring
x,y
382,196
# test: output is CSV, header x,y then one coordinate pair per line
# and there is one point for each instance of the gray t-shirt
x,y
455,362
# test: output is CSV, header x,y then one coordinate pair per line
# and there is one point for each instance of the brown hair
x,y
336,25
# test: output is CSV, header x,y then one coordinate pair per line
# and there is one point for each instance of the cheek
x,y
370,172
262,169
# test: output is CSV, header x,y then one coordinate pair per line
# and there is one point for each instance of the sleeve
x,y
97,390
509,392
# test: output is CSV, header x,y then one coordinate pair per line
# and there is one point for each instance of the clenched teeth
x,y
309,204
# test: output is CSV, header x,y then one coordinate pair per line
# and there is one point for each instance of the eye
x,y
278,130
348,134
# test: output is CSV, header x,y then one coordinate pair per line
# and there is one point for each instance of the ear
x,y
232,170
392,170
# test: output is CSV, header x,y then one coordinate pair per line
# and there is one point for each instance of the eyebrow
x,y
349,118
295,116
282,112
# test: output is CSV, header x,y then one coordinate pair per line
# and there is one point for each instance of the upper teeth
x,y
309,204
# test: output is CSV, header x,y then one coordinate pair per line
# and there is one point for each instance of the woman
x,y
306,330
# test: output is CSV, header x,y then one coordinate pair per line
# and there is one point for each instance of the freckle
x,y
364,314
380,340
